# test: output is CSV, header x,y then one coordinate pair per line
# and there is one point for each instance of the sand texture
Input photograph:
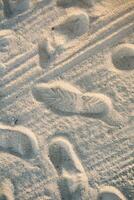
x,y
66,100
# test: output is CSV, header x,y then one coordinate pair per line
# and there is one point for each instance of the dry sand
x,y
66,100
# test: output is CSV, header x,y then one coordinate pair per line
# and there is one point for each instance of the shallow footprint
x,y
73,182
123,57
65,99
110,193
18,141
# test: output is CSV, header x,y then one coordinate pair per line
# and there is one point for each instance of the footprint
x,y
47,52
110,193
73,182
15,6
74,25
71,27
123,57
18,141
70,3
6,190
65,99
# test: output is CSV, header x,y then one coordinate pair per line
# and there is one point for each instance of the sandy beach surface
x,y
66,100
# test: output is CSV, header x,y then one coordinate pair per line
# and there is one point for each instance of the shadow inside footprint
x,y
123,57
7,8
73,182
70,3
110,193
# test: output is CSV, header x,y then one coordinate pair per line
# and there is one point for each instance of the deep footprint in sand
x,y
18,141
73,182
6,190
123,57
110,193
65,99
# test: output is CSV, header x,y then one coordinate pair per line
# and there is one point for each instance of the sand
x,y
66,100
